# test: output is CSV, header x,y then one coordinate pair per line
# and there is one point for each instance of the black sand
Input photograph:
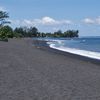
x,y
35,72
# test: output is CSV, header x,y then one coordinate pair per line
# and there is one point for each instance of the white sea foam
x,y
90,54
53,44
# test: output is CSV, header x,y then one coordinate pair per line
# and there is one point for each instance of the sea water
x,y
84,46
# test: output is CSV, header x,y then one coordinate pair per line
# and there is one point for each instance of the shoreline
x,y
43,45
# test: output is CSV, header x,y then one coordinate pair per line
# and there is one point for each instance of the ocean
x,y
84,46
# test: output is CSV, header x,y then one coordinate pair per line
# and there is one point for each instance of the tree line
x,y
7,31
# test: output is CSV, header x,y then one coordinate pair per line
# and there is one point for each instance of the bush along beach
x,y
7,31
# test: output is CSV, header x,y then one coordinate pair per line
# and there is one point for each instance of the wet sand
x,y
30,70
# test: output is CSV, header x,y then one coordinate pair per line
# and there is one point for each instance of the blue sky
x,y
52,15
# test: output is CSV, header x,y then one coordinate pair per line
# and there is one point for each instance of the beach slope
x,y
33,72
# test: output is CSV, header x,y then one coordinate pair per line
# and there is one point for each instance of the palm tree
x,y
3,16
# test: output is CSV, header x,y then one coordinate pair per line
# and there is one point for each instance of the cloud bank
x,y
46,21
95,21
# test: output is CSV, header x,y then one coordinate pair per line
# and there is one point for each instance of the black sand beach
x,y
30,70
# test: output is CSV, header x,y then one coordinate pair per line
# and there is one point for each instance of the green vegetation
x,y
3,16
33,32
7,32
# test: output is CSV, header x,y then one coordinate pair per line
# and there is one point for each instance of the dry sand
x,y
35,72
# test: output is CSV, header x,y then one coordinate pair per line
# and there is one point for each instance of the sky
x,y
54,15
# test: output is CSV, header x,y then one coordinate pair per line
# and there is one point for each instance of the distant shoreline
x,y
43,45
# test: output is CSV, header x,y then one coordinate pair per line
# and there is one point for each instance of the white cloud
x,y
89,21
43,21
27,22
51,21
95,21
24,22
48,21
